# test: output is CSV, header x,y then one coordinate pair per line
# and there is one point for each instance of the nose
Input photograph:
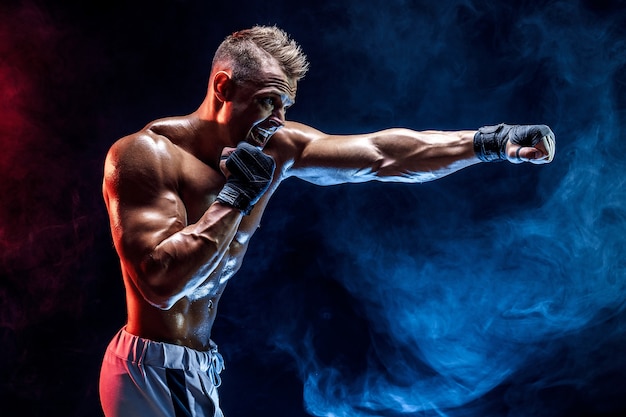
x,y
277,119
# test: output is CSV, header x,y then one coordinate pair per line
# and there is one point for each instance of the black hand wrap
x,y
251,172
490,141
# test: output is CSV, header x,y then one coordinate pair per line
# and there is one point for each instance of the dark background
x,y
498,291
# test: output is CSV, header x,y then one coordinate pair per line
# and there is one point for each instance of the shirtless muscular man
x,y
185,195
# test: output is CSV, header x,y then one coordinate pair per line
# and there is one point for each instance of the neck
x,y
206,139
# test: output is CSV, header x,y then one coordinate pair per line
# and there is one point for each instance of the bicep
x,y
332,159
143,208
138,229
387,155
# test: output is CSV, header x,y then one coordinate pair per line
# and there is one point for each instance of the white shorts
x,y
140,377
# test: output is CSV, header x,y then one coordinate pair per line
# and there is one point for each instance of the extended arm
x,y
400,155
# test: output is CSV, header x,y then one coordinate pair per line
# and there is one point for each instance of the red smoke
x,y
41,227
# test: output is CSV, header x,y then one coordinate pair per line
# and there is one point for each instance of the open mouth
x,y
259,136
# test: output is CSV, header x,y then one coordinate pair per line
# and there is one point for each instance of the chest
x,y
198,188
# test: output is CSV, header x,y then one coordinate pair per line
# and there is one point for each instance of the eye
x,y
268,102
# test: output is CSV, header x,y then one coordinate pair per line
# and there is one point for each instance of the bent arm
x,y
164,257
184,260
400,155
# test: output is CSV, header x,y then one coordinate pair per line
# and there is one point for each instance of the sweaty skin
x,y
178,247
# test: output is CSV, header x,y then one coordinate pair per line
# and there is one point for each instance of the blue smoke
x,y
500,290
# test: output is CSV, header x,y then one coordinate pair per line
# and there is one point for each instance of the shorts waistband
x,y
166,355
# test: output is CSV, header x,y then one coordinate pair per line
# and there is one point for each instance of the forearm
x,y
408,155
184,260
422,156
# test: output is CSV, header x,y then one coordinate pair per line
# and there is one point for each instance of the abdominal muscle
x,y
189,321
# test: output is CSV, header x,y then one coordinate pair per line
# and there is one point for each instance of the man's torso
x,y
189,321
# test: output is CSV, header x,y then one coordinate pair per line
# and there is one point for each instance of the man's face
x,y
259,106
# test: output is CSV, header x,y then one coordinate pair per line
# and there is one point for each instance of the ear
x,y
222,85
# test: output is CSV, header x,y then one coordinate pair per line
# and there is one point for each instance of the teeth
x,y
256,137
260,135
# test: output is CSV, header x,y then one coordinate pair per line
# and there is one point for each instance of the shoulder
x,y
301,133
287,144
156,141
141,160
149,141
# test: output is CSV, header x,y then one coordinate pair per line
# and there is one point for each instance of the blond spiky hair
x,y
243,50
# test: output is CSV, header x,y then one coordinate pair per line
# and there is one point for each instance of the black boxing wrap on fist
x,y
251,173
490,141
